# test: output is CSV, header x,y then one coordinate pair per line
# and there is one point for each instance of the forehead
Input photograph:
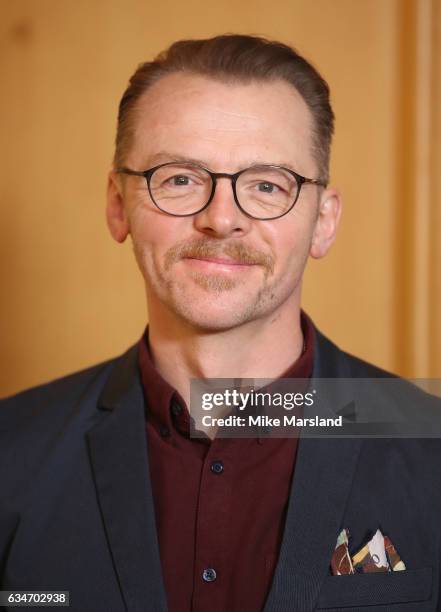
x,y
225,124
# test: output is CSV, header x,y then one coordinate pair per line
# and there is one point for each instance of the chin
x,y
207,316
215,308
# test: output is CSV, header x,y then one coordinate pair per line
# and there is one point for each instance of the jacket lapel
x,y
322,480
119,459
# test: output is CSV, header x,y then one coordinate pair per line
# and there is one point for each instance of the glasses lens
x,y
180,189
265,192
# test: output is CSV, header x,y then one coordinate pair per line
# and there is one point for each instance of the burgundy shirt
x,y
220,505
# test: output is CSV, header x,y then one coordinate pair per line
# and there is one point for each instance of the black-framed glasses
x,y
261,192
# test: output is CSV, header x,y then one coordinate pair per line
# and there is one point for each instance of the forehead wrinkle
x,y
229,121
215,114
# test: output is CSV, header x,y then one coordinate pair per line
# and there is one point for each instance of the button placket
x,y
212,526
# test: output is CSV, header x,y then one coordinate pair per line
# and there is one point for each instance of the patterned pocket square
x,y
378,555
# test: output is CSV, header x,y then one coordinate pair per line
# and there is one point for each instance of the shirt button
x,y
217,467
209,574
176,409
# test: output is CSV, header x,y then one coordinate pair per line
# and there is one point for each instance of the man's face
x,y
219,268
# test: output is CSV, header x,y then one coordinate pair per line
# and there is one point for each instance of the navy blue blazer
x,y
76,508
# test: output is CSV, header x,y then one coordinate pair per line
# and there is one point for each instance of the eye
x,y
179,179
182,180
268,187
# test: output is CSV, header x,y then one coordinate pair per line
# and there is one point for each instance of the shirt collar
x,y
166,409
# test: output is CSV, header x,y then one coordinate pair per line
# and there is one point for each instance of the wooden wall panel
x,y
72,297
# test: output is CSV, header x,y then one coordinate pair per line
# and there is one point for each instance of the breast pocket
x,y
357,590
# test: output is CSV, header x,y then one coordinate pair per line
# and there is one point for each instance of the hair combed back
x,y
234,58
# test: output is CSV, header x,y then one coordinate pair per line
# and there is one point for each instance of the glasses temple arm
x,y
128,171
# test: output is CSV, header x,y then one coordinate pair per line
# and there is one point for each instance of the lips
x,y
221,265
226,261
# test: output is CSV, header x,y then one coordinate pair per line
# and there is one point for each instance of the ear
x,y
328,219
115,210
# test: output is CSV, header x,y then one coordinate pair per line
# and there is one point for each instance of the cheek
x,y
291,246
147,228
293,256
153,235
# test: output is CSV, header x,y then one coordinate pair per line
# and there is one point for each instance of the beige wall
x,y
72,297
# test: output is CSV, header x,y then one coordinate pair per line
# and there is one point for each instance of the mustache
x,y
201,248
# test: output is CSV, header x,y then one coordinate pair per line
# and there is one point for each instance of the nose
x,y
222,217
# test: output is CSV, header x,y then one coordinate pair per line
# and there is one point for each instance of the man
x,y
220,179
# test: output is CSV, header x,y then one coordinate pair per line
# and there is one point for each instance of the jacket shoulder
x,y
359,368
384,393
333,362
60,392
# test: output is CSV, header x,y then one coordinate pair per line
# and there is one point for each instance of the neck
x,y
264,348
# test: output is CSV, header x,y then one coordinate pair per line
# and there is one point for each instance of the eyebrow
x,y
168,156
